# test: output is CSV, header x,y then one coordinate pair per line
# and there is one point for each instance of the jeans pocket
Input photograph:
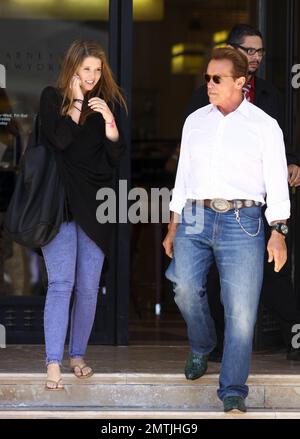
x,y
251,213
251,225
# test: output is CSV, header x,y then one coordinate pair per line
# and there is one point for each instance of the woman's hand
x,y
111,130
99,105
75,86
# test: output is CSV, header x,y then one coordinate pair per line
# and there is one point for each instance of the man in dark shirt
x,y
277,292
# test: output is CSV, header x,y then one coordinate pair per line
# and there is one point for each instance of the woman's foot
x,y
54,380
80,369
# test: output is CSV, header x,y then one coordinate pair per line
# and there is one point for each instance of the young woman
x,y
77,122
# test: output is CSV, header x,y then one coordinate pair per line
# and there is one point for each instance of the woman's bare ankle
x,y
77,361
53,370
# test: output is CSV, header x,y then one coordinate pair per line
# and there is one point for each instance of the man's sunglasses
x,y
250,50
217,79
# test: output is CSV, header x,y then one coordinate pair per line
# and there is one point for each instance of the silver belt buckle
x,y
220,205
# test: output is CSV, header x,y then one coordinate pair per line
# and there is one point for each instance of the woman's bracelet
x,y
111,124
77,108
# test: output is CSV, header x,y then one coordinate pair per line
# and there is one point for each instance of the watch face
x,y
284,229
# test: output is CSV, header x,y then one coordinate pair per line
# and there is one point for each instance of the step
x,y
143,414
104,393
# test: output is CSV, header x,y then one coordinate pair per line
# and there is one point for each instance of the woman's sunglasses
x,y
217,79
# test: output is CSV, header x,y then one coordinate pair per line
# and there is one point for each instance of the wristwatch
x,y
281,228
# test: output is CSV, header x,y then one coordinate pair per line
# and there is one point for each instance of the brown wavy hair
x,y
238,59
106,88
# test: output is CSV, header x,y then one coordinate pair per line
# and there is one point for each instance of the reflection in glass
x,y
33,39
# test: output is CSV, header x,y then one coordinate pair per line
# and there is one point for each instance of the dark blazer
x,y
267,98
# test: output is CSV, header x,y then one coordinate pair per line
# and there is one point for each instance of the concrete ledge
x,y
279,380
155,414
144,391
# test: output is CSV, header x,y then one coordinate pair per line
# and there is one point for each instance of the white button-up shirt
x,y
238,156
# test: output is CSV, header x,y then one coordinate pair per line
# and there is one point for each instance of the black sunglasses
x,y
217,79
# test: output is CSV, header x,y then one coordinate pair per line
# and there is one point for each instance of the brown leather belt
x,y
221,206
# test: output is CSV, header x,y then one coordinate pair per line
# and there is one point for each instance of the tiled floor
x,y
157,330
135,359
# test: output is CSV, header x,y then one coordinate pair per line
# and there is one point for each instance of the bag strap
x,y
37,129
35,135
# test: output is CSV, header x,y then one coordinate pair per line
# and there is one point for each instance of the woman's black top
x,y
86,160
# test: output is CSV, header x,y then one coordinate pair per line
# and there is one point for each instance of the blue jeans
x,y
240,261
72,260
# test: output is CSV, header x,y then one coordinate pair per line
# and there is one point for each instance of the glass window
x,y
170,56
33,39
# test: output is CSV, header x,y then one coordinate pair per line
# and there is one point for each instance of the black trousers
x,y
277,296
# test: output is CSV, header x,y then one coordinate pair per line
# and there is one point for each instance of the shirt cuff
x,y
279,211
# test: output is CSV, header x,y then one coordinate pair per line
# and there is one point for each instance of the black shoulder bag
x,y
36,209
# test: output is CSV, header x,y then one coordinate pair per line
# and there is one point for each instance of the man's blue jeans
x,y
240,260
72,260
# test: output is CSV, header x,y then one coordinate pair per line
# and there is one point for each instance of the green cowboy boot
x,y
234,403
195,366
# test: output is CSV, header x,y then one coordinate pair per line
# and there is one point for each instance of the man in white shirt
x,y
264,95
232,158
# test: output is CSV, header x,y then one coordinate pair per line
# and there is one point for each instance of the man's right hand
x,y
172,228
168,242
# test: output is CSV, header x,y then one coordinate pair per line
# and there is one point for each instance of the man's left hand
x,y
277,250
294,175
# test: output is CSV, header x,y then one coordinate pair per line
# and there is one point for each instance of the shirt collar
x,y
243,108
252,82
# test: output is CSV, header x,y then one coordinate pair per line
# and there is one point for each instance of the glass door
x,y
170,52
33,39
